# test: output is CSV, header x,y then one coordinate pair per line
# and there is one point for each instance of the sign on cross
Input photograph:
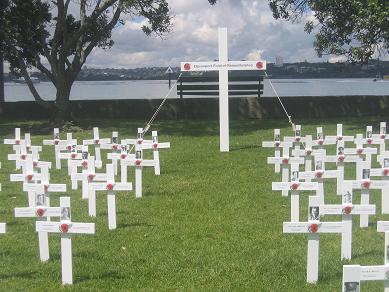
x,y
110,186
66,228
223,66
354,274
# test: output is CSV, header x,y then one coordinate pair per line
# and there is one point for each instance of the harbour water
x,y
154,89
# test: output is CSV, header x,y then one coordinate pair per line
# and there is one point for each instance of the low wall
x,y
208,108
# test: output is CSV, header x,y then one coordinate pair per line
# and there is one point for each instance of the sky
x,y
252,34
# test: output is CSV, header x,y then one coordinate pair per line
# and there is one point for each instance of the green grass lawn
x,y
210,222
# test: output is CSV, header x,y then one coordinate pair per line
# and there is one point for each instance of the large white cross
x,y
66,228
313,227
223,66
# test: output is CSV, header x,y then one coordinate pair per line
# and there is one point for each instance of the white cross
x,y
223,66
340,159
297,139
138,162
276,144
40,209
347,209
308,153
383,172
284,162
16,140
155,145
110,187
88,176
66,228
381,137
313,228
138,140
97,141
339,135
83,163
68,145
354,274
361,152
320,174
295,186
2,228
44,187
28,174
120,155
365,185
322,140
114,147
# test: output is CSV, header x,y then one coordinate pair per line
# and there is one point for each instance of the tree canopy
x,y
358,29
51,37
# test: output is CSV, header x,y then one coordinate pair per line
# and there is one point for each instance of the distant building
x,y
279,61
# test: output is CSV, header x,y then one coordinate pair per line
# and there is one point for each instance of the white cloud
x,y
251,30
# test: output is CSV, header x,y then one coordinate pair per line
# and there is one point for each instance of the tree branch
x,y
29,83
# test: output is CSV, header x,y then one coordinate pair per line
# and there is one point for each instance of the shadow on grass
x,y
246,147
131,225
22,275
189,128
107,275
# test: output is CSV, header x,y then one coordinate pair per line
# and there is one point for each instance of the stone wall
x,y
208,108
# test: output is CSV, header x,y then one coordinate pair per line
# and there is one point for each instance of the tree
x,y
45,35
358,29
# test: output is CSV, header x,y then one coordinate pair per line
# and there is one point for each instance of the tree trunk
x,y
62,113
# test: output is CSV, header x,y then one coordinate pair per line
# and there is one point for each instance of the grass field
x,y
210,222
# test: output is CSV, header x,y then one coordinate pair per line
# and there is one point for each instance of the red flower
x,y
313,227
366,184
40,212
294,186
109,187
285,160
187,67
386,171
64,228
347,210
